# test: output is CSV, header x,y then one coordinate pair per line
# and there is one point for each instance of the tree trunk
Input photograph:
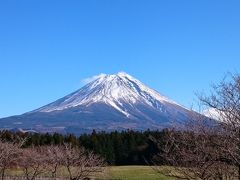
x,y
3,174
54,173
238,172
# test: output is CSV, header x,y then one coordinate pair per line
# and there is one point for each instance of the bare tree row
x,y
54,160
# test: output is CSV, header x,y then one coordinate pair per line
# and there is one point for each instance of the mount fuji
x,y
108,103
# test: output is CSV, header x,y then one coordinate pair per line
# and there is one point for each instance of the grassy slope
x,y
135,173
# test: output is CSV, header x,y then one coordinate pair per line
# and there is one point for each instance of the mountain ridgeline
x,y
108,103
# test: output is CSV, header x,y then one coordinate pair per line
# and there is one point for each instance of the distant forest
x,y
118,148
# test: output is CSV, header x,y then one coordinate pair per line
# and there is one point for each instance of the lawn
x,y
134,173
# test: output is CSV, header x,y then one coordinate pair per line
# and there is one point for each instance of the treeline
x,y
117,148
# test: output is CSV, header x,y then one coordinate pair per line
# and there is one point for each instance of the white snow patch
x,y
212,113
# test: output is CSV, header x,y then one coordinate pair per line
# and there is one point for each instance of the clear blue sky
x,y
176,47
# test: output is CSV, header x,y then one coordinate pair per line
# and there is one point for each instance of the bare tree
x,y
81,164
33,162
9,154
193,156
54,158
194,153
224,102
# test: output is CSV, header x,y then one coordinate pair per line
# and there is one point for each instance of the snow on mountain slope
x,y
109,103
113,90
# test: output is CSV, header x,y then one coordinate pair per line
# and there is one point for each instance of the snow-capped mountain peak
x,y
114,90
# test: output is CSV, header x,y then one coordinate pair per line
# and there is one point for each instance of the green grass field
x,y
116,173
134,173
